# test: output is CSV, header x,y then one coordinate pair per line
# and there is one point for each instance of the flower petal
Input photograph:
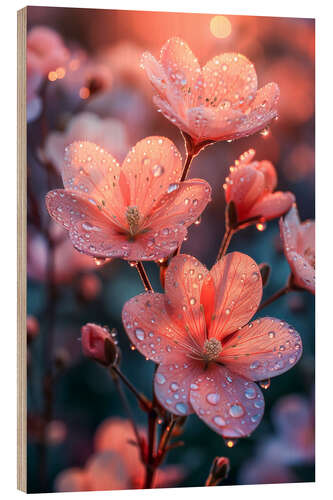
x,y
91,171
289,229
230,80
272,205
149,327
267,168
238,293
183,283
228,403
246,185
182,205
307,237
182,69
262,349
172,383
303,273
150,167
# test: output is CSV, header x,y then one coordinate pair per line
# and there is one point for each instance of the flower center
x,y
212,349
310,257
133,219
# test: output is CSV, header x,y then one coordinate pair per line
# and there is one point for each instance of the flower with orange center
x,y
209,355
299,247
137,211
220,101
250,186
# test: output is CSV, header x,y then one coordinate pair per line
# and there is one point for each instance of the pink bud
x,y
98,344
219,471
32,327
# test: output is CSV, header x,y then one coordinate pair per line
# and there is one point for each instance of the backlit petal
x,y
238,293
267,168
262,349
172,383
246,186
228,403
272,205
149,327
183,283
289,229
150,167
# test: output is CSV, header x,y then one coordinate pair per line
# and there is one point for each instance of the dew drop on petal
x,y
236,410
218,420
174,386
213,398
157,170
139,333
250,393
160,379
182,408
173,187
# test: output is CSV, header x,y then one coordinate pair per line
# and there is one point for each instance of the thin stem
x,y
225,243
128,411
144,277
151,463
144,402
186,168
165,438
286,289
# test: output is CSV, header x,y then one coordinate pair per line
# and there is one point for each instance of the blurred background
x,y
95,89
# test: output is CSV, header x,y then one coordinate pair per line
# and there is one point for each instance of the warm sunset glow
x,y
52,76
220,26
60,73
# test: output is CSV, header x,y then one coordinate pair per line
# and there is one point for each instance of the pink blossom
x,y
93,342
220,101
109,133
299,248
250,186
45,49
139,211
209,355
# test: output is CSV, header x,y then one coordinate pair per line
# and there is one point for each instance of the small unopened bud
x,y
219,471
99,344
32,327
265,271
231,218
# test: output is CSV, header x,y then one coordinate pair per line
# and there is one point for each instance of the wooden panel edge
x,y
21,252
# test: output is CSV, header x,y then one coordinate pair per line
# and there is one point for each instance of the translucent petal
x,y
262,349
228,403
272,205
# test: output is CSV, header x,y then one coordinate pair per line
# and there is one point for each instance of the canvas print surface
x,y
170,250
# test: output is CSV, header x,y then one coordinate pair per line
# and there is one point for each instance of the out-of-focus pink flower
x,y
56,432
116,463
116,434
89,286
217,102
109,133
68,262
261,471
250,186
32,327
139,211
299,248
93,339
294,441
34,102
208,353
45,49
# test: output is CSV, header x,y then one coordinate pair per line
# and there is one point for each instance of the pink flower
x,y
116,463
45,49
250,186
208,354
139,211
94,338
109,133
217,102
299,248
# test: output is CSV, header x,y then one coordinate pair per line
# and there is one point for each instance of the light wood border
x,y
21,252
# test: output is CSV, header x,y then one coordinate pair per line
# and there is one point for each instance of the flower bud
x,y
219,471
99,344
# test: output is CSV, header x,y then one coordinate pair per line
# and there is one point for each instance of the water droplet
x,y
173,187
255,418
254,365
213,398
192,301
218,420
264,384
250,393
259,404
160,379
271,335
230,442
174,386
139,333
182,408
157,170
194,387
236,410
